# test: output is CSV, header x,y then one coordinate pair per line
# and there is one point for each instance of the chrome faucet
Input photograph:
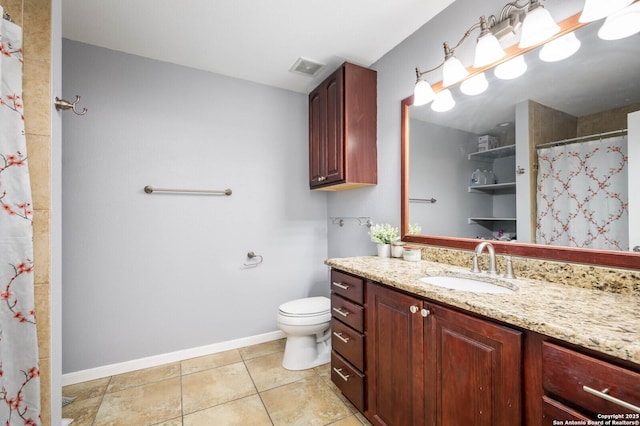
x,y
492,258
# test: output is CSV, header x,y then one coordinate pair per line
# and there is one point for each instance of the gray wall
x,y
151,274
396,77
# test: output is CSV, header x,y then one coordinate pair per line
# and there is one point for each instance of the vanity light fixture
x,y
488,49
423,92
560,48
598,9
535,25
621,24
452,69
538,26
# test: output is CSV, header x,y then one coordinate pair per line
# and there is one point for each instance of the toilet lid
x,y
309,306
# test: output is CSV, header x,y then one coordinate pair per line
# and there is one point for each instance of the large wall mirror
x,y
580,101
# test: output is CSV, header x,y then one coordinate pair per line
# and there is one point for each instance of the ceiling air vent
x,y
307,67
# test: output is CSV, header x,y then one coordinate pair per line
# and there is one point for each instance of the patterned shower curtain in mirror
x,y
582,195
19,372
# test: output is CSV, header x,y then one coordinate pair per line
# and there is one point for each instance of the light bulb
x,y
443,101
511,69
598,9
560,48
422,93
488,50
537,27
621,24
453,71
474,85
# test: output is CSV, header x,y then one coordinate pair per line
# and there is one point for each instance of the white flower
x,y
384,234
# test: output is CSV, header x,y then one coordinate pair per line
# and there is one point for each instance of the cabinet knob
x,y
424,312
414,309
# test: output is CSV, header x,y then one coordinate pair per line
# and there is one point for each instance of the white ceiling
x,y
255,40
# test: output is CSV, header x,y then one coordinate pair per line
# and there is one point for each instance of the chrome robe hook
x,y
61,104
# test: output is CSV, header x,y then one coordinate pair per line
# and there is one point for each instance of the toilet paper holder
x,y
252,256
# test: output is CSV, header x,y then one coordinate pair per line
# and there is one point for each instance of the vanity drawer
x,y
553,411
348,343
349,380
570,375
347,312
347,286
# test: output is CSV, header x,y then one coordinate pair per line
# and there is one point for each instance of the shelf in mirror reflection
x,y
491,188
492,154
491,219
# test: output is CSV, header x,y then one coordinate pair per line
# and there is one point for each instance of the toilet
x,y
306,324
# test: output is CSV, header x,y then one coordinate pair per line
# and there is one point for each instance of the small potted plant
x,y
384,235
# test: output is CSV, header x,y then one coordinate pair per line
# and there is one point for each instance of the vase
x,y
396,250
384,250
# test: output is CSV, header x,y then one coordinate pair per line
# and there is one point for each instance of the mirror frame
x,y
608,258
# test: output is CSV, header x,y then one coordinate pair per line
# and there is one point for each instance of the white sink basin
x,y
465,284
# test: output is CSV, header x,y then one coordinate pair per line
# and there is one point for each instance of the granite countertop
x,y
605,322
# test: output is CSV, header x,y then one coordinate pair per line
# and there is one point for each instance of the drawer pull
x,y
604,395
341,312
340,285
413,309
339,336
339,373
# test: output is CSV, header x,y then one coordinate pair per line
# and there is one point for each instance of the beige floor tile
x,y
141,405
215,386
349,421
86,390
194,365
143,377
173,422
241,412
82,411
262,349
308,402
327,379
267,372
363,419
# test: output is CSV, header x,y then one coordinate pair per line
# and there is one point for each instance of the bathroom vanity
x,y
540,353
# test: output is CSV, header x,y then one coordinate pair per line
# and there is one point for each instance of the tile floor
x,y
245,386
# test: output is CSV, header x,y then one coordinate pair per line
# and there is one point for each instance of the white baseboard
x,y
156,360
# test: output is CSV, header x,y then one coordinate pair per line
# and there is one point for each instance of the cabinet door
x,y
476,368
334,138
394,364
316,134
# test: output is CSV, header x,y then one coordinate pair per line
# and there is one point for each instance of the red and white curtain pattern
x,y
582,195
19,372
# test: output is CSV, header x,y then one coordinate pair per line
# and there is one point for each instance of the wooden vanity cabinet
x,y
580,387
343,130
431,365
347,336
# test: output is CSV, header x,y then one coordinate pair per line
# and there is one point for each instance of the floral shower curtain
x,y
19,372
582,195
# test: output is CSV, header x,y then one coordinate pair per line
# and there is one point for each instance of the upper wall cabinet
x,y
342,130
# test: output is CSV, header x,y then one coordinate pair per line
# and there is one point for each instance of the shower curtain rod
x,y
580,138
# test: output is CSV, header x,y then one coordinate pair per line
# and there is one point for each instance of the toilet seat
x,y
307,307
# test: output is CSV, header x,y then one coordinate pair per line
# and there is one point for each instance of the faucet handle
x,y
509,271
474,266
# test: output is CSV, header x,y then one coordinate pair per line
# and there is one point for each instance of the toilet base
x,y
304,352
